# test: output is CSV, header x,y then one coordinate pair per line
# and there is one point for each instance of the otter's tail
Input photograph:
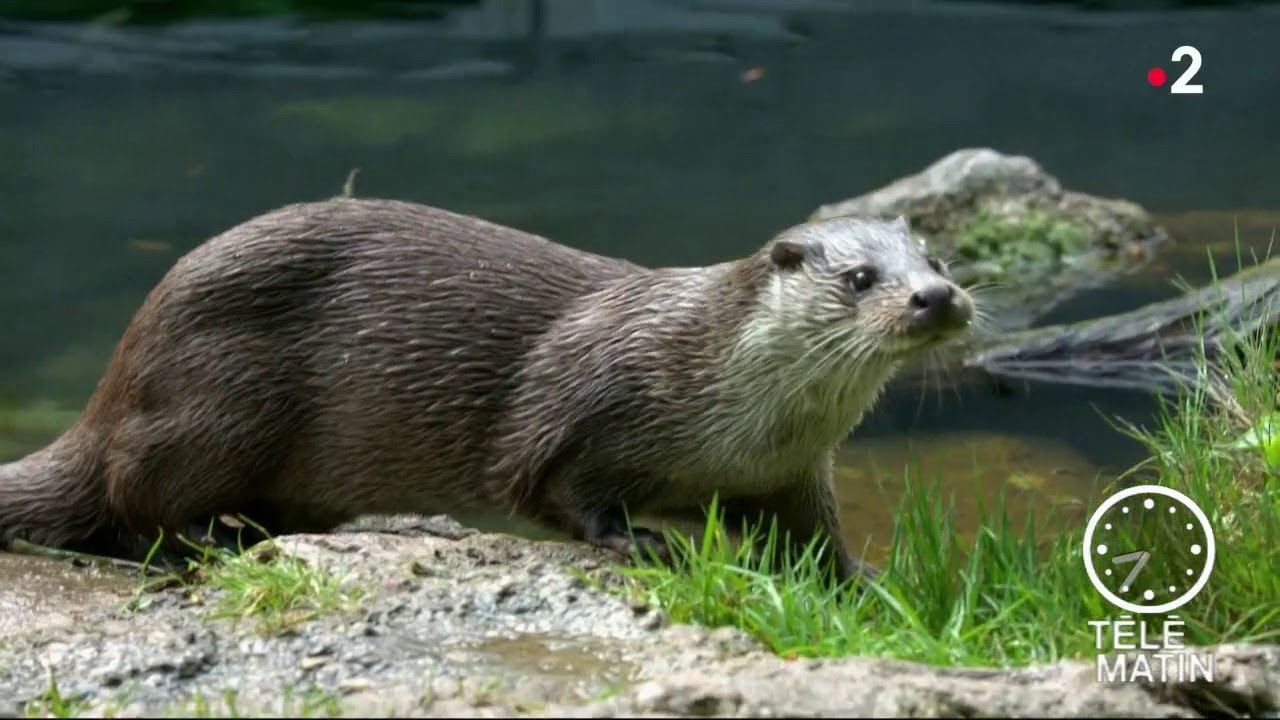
x,y
51,498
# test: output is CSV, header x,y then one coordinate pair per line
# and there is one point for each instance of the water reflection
x,y
971,471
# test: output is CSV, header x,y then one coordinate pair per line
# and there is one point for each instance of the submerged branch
x,y
1158,347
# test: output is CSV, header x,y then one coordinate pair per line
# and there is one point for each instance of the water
x,y
668,133
41,594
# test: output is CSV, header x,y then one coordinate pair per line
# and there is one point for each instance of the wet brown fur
x,y
327,360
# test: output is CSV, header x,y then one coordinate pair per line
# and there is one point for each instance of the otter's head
x,y
867,285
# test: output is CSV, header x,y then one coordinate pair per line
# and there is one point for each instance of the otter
x,y
328,360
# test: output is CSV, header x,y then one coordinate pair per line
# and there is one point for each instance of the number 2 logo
x,y
1182,85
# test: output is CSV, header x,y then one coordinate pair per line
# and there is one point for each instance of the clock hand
x,y
1140,559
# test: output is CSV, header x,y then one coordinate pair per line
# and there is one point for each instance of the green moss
x,y
37,419
371,121
29,427
520,125
482,122
1039,238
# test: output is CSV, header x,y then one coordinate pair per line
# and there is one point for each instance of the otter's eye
x,y
861,278
937,265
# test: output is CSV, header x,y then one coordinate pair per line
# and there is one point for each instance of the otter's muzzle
x,y
938,308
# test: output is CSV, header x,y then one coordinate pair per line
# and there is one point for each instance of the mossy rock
x,y
1001,219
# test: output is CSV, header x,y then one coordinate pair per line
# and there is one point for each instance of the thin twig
x,y
22,547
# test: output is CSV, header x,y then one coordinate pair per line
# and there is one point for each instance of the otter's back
x,y
377,338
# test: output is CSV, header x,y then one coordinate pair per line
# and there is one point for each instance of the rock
x,y
1248,682
408,524
1001,219
505,626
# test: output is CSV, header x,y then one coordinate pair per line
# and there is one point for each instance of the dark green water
x,y
637,129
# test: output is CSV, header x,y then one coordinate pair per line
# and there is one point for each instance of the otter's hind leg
x,y
258,520
174,475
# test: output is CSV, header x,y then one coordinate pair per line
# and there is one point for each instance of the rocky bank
x,y
448,621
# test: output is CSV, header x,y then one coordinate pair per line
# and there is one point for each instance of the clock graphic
x,y
1148,549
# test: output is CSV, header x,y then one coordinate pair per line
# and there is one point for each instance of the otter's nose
x,y
934,308
934,296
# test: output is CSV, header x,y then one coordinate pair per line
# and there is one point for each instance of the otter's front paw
x,y
856,573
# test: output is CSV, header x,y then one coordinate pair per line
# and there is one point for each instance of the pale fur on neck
x,y
776,412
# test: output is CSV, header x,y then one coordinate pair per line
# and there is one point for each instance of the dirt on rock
x,y
452,622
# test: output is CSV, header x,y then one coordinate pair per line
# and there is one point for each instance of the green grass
x,y
277,590
52,703
997,598
309,702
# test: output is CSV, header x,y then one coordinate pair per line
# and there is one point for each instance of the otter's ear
x,y
901,223
787,254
